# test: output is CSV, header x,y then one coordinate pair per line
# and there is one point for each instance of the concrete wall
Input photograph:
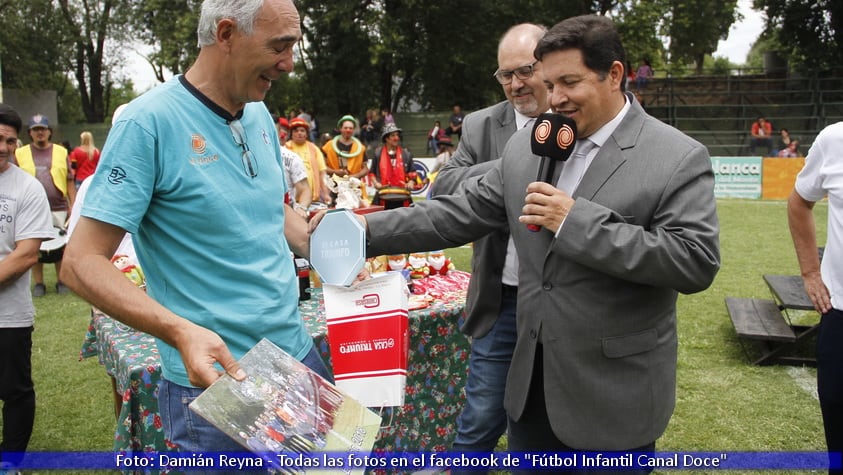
x,y
29,104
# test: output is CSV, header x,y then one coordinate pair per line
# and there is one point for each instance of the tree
x,y
393,53
169,26
811,31
336,60
28,64
696,26
638,22
91,23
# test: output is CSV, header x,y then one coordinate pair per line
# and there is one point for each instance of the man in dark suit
x,y
492,292
595,363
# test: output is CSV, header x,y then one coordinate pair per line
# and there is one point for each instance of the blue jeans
x,y
483,419
192,433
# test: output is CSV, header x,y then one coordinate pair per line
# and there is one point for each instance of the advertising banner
x,y
737,177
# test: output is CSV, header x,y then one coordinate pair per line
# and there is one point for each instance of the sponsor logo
x,y
204,160
726,167
116,176
363,346
542,131
565,137
197,142
368,301
355,347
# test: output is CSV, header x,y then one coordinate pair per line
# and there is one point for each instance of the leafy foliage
x,y
638,25
169,26
31,64
696,26
392,53
89,24
356,54
811,31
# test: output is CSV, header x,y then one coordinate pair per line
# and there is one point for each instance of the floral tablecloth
x,y
131,358
437,368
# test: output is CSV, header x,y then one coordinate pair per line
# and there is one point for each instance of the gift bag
x,y
369,339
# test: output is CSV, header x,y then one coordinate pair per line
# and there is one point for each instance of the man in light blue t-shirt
x,y
194,171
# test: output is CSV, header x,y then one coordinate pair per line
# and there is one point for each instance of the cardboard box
x,y
369,338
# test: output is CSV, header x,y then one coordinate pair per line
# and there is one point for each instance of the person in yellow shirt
x,y
49,163
314,161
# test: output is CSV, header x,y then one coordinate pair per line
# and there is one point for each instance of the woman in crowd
x,y
85,157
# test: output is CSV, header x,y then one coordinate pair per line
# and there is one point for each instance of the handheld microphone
x,y
553,139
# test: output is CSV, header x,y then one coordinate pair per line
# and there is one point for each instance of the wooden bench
x,y
789,291
762,321
759,319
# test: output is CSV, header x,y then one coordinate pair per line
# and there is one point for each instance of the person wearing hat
x,y
24,203
314,161
283,127
50,164
392,165
345,156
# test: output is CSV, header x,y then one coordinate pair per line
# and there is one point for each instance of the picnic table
x,y
769,324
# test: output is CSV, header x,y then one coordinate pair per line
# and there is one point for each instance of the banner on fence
x,y
737,177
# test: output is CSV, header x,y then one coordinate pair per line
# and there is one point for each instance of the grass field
x,y
723,403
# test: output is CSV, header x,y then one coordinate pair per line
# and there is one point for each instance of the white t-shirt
x,y
294,171
24,214
125,248
821,177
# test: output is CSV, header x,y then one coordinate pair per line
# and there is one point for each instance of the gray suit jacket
x,y
603,294
485,134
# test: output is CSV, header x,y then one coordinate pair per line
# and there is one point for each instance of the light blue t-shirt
x,y
209,237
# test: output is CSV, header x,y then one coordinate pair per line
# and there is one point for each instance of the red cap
x,y
299,122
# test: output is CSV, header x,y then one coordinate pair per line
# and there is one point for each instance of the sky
x,y
742,34
735,47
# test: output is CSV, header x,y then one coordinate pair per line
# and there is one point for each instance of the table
x,y
131,359
436,373
770,326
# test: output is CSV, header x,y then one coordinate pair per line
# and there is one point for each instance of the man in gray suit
x,y
595,363
492,291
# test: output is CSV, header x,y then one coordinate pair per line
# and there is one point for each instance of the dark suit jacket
x,y
603,294
485,134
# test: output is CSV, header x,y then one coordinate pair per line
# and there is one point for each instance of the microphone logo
x,y
565,137
542,131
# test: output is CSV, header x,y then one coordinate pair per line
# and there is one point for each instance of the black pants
x,y
830,379
16,391
532,433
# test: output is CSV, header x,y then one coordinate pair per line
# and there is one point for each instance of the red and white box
x,y
369,338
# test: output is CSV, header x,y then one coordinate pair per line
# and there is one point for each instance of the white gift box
x,y
369,338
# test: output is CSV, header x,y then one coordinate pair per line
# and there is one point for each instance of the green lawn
x,y
723,403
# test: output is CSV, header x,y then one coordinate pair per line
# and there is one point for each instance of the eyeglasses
x,y
523,73
250,163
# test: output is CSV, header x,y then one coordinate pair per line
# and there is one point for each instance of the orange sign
x,y
778,177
